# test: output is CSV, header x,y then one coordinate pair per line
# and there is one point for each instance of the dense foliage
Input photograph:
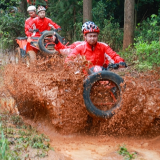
x,y
11,26
146,51
107,14
68,14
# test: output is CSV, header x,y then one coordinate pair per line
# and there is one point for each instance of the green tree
x,y
68,14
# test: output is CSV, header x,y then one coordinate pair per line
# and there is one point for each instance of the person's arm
x,y
59,45
26,28
63,49
33,27
111,55
77,50
53,24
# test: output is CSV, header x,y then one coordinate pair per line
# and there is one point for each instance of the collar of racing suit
x,y
92,47
41,18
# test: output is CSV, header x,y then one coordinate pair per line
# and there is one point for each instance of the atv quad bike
x,y
43,46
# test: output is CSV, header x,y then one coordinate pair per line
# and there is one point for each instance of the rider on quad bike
x,y
32,12
102,90
39,41
42,23
39,25
99,53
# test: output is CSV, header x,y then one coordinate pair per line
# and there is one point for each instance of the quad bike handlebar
x,y
37,30
115,66
106,68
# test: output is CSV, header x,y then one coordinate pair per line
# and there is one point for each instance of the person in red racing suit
x,y
99,53
32,12
42,23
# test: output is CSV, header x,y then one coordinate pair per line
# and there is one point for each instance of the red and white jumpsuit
x,y
43,24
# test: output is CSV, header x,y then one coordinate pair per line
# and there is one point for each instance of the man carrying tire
x,y
99,53
101,89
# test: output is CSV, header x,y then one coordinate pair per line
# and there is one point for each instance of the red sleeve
x,y
59,46
62,46
53,24
73,45
77,50
26,27
112,55
32,25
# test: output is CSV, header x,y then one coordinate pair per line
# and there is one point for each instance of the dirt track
x,y
136,124
102,147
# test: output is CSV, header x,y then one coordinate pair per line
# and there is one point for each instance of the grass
x,y
19,141
125,153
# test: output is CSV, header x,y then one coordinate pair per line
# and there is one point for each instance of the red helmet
x,y
90,27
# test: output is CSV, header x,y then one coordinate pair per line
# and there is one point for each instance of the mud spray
x,y
50,90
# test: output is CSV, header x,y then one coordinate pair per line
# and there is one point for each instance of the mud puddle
x,y
49,97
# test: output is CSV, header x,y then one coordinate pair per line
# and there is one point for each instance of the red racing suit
x,y
42,24
101,55
28,26
66,50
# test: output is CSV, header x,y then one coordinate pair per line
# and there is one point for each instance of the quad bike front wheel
x,y
30,58
102,93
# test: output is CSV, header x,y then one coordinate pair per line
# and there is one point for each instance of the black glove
x,y
103,68
115,66
110,66
56,40
123,64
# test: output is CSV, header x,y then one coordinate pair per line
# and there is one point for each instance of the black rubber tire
x,y
42,48
30,58
102,75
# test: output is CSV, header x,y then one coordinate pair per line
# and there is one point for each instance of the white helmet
x,y
31,8
40,8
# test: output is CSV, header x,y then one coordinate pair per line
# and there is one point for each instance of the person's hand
x,y
59,29
55,39
29,40
30,30
122,64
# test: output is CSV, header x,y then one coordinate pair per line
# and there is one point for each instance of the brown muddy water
x,y
49,97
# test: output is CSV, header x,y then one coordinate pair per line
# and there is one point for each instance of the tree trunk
x,y
128,23
23,7
87,10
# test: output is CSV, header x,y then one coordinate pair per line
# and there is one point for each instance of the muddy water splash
x,y
53,91
50,90
140,107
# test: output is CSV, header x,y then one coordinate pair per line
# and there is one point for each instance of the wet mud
x,y
49,90
140,107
